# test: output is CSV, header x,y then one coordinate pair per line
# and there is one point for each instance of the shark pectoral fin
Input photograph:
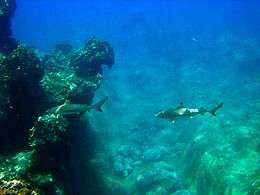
x,y
100,110
157,114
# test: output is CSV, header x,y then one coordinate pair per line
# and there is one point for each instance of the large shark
x,y
181,111
77,109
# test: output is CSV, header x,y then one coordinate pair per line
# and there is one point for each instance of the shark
x,y
181,111
68,109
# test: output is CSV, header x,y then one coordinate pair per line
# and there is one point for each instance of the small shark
x,y
180,111
77,109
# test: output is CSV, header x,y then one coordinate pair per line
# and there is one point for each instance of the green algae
x,y
15,166
47,130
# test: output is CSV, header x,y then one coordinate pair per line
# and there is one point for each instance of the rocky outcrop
x,y
41,153
7,9
21,95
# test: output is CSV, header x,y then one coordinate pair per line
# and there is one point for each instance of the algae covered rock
x,y
7,8
21,95
37,154
155,153
75,74
58,60
24,64
15,166
19,187
122,166
89,60
47,130
66,85
49,142
4,98
159,174
15,174
158,190
183,192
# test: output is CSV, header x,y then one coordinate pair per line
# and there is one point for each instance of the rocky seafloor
x,y
202,155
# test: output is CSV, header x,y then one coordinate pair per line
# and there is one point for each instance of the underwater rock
x,y
24,65
26,91
51,137
48,129
130,151
64,80
90,59
46,183
128,157
160,174
21,101
7,9
125,159
19,187
66,85
155,153
183,192
4,98
158,191
15,166
51,154
19,168
64,48
21,95
59,59
122,166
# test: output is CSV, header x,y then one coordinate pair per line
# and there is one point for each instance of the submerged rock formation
x,y
21,96
57,139
38,150
89,59
7,9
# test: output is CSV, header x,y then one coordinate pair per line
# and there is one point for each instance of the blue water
x,y
197,52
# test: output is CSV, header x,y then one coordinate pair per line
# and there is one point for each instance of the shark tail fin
x,y
99,104
214,110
